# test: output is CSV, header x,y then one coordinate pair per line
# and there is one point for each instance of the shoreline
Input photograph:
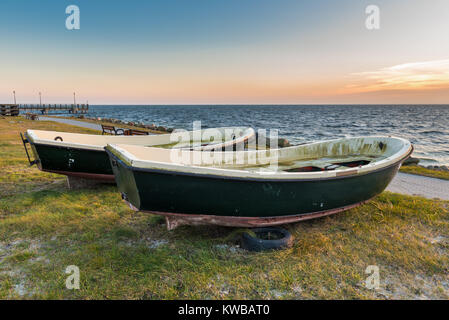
x,y
425,184
423,162
95,123
437,172
73,122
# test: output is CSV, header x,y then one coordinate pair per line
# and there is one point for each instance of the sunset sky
x,y
225,52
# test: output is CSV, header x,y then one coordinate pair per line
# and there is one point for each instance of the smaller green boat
x,y
256,188
83,155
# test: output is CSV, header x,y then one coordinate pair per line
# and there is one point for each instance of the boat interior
x,y
334,155
192,140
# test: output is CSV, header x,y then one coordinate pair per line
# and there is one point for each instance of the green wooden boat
x,y
83,155
256,188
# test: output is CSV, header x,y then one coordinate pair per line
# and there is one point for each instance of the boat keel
x,y
93,177
174,220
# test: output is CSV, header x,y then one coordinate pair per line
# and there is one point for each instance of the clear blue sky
x,y
222,51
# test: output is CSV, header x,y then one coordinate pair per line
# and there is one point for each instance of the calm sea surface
x,y
426,126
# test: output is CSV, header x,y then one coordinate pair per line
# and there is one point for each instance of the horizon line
x,y
272,104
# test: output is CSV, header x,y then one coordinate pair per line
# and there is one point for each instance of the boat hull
x,y
81,163
79,157
231,201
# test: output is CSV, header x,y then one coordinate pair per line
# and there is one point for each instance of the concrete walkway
x,y
83,124
415,185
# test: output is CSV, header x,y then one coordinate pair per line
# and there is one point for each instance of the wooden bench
x,y
31,116
133,132
111,130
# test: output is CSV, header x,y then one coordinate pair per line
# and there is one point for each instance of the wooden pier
x,y
9,110
14,109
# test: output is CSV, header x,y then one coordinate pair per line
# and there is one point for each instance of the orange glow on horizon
x,y
416,82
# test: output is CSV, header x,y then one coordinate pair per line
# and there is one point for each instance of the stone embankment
x,y
415,161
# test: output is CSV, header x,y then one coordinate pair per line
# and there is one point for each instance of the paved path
x,y
415,185
73,122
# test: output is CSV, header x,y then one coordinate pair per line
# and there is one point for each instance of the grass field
x,y
425,172
44,227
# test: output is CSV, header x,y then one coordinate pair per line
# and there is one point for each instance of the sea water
x,y
426,126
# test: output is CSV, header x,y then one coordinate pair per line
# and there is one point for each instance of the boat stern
x,y
124,178
27,139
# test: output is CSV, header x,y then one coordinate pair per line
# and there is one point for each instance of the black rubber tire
x,y
252,243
